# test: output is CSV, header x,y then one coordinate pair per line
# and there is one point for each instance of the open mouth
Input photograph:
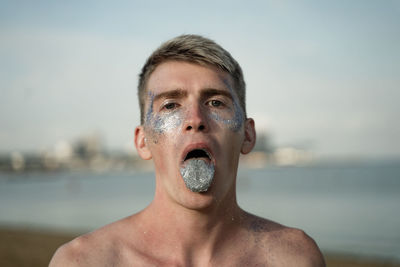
x,y
198,154
197,170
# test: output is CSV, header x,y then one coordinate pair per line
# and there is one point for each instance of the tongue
x,y
197,174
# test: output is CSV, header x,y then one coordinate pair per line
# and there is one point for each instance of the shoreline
x,y
26,247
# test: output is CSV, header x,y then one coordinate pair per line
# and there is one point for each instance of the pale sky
x,y
320,74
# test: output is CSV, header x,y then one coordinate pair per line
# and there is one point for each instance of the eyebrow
x,y
208,92
177,93
180,93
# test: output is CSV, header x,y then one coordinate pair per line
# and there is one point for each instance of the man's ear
x,y
249,136
141,143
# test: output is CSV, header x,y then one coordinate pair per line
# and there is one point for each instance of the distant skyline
x,y
322,75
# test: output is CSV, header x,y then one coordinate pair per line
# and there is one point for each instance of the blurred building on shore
x,y
85,153
88,152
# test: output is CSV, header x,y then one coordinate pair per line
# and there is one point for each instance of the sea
x,y
347,208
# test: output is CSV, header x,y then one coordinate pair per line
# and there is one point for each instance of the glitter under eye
x,y
166,122
163,122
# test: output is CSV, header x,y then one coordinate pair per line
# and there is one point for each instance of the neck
x,y
193,232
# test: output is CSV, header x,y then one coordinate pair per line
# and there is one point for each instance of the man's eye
x,y
170,106
215,103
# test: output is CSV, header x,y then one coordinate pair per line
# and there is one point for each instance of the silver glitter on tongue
x,y
197,175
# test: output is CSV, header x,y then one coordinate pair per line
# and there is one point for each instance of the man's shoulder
x,y
284,245
300,249
73,253
91,249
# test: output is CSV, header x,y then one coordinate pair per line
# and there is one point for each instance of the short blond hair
x,y
194,49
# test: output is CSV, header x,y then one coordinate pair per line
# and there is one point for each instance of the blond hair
x,y
194,49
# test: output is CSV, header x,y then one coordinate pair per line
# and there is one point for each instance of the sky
x,y
321,75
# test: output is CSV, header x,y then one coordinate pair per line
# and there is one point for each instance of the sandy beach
x,y
25,248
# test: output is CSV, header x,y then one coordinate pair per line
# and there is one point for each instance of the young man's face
x,y
193,115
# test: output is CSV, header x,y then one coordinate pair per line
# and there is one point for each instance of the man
x,y
194,127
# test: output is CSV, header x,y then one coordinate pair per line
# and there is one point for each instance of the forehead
x,y
172,75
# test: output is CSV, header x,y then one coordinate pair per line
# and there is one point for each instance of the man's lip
x,y
192,147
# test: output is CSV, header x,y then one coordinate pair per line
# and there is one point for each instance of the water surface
x,y
351,209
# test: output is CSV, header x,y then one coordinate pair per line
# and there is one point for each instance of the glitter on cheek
x,y
163,122
149,113
166,122
235,123
197,175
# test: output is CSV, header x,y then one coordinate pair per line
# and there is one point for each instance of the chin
x,y
215,195
198,201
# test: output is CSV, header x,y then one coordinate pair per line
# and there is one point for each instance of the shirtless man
x,y
194,127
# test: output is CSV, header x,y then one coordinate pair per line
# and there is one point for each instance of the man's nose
x,y
196,119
